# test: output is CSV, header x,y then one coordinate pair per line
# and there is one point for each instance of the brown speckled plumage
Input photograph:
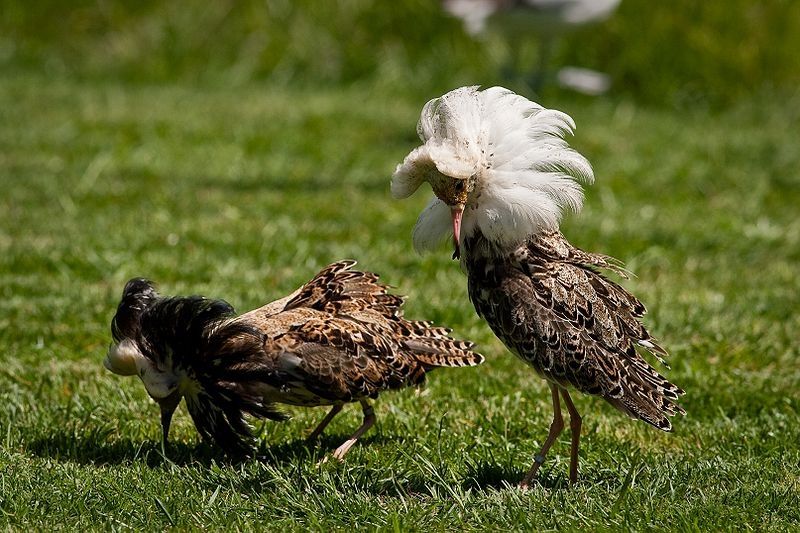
x,y
547,302
340,338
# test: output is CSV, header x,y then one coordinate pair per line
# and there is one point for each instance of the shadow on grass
x,y
553,476
303,463
98,449
485,475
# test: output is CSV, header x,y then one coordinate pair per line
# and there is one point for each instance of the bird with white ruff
x,y
502,175
340,338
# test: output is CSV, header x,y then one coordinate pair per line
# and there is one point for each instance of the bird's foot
x,y
525,484
338,453
342,450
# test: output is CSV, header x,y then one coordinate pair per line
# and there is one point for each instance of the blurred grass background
x,y
233,148
678,53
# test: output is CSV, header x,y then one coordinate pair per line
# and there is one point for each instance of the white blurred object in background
x,y
545,19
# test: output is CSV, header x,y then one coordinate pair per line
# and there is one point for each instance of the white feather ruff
x,y
527,174
433,226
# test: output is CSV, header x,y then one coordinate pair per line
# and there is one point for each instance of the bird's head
x,y
188,347
497,163
454,193
138,349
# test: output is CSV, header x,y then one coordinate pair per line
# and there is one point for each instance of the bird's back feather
x,y
343,337
576,327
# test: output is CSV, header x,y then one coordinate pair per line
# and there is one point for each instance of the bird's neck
x,y
479,250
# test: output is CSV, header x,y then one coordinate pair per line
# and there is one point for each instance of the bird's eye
x,y
459,185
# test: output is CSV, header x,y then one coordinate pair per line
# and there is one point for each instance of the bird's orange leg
x,y
575,428
369,421
556,426
325,421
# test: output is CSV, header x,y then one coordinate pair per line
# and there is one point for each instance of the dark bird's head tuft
x,y
137,296
125,355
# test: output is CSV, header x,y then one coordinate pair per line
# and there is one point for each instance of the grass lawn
x,y
245,193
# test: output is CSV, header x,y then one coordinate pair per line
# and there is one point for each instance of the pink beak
x,y
457,211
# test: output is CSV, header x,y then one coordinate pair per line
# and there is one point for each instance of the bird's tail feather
x,y
338,288
648,396
433,346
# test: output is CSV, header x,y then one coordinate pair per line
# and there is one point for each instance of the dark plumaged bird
x,y
502,174
340,338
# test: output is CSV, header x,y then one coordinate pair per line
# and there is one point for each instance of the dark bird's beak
x,y
457,211
168,406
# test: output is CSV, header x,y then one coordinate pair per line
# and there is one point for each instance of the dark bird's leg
x,y
556,426
325,421
575,427
369,420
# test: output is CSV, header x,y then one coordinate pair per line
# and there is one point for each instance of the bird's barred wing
x,y
340,360
553,246
580,329
343,337
330,289
338,284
